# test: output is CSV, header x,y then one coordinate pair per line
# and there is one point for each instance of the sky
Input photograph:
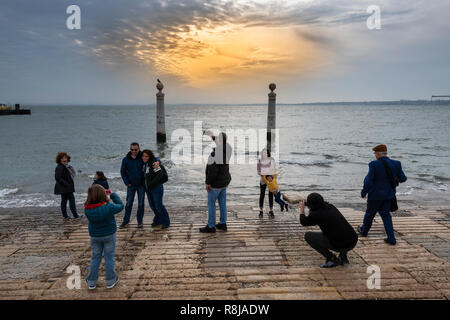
x,y
223,51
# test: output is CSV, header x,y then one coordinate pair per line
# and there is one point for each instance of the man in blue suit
x,y
379,192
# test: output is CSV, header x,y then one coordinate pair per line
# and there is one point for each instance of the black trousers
x,y
262,189
321,244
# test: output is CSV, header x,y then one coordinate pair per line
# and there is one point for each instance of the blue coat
x,y
376,183
131,169
102,222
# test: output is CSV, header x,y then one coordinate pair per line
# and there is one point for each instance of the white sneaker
x,y
112,285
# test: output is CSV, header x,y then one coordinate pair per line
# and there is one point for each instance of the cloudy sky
x,y
223,51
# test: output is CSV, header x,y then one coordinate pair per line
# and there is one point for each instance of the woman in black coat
x,y
64,174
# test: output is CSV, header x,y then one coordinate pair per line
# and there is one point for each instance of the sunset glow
x,y
216,54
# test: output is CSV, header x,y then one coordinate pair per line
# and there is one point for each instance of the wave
x,y
309,162
6,191
109,175
303,153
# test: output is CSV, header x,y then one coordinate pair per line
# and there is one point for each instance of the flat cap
x,y
380,148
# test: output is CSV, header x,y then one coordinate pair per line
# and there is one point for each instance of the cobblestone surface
x,y
255,259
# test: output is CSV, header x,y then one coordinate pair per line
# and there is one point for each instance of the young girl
x,y
266,166
272,184
102,229
99,178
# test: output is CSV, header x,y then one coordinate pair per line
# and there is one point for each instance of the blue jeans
x,y
214,195
279,200
155,200
71,198
131,192
100,245
383,208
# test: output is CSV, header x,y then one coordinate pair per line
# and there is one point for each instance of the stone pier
x,y
255,259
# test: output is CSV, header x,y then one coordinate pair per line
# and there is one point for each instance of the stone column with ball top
x,y
271,116
160,116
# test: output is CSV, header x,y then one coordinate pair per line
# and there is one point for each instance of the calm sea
x,y
323,148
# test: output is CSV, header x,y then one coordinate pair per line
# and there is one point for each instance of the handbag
x,y
394,183
165,176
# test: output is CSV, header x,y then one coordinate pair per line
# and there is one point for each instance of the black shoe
x,y
389,242
207,229
287,207
222,226
155,225
331,263
358,228
343,258
271,215
281,207
165,226
260,213
140,225
123,225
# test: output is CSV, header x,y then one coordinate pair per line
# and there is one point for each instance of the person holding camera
x,y
379,189
217,180
336,233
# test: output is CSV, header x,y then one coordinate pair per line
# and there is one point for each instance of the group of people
x,y
143,173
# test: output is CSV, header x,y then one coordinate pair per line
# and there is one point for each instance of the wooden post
x,y
271,116
160,116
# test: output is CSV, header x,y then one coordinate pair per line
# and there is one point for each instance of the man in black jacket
x,y
337,234
217,179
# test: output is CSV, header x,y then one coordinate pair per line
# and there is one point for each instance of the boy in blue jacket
x,y
102,229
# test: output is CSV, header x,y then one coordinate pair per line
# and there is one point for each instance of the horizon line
x,y
52,104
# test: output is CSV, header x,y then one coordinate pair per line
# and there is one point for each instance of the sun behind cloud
x,y
211,55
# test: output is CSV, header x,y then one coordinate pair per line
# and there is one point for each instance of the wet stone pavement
x,y
255,259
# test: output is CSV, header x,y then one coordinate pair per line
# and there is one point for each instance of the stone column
x,y
160,116
271,116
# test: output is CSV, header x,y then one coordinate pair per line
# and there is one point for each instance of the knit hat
x,y
380,148
314,201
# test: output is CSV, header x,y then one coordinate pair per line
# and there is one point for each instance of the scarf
x,y
93,206
72,171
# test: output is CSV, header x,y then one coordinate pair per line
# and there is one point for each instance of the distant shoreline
x,y
387,102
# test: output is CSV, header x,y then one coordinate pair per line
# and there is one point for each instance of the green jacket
x,y
101,218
